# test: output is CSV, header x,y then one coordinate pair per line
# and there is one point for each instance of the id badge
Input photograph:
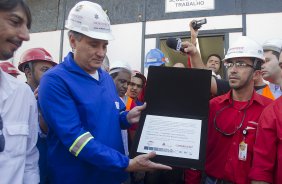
x,y
243,148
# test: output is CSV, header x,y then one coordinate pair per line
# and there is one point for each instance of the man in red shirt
x,y
267,162
233,116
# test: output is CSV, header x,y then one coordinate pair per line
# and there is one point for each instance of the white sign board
x,y
188,5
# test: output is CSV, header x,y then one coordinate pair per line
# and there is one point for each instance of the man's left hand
x,y
134,114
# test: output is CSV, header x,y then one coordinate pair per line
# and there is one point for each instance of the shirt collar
x,y
71,65
255,98
274,87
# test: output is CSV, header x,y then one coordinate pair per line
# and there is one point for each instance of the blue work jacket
x,y
85,119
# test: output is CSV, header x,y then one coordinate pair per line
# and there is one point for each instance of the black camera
x,y
198,23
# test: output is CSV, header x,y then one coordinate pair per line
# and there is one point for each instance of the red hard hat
x,y
9,68
35,54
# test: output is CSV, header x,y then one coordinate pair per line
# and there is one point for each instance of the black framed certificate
x,y
174,124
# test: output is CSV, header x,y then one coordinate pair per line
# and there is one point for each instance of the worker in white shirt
x,y
18,112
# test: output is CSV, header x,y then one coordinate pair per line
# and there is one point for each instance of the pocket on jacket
x,y
16,139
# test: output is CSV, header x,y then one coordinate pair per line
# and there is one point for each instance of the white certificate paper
x,y
170,136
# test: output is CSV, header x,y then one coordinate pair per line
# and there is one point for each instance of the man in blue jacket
x,y
84,114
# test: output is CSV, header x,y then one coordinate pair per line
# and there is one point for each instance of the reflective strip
x,y
80,142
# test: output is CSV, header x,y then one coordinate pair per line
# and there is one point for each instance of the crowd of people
x,y
75,122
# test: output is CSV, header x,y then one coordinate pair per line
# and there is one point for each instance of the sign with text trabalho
x,y
188,5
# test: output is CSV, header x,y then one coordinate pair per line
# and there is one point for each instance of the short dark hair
x,y
75,34
257,63
114,75
140,76
7,5
216,55
275,53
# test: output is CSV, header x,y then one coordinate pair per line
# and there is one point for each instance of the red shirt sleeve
x,y
265,148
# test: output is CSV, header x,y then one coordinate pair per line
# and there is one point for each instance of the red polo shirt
x,y
222,151
267,163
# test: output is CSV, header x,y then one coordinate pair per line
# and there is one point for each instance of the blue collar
x,y
72,66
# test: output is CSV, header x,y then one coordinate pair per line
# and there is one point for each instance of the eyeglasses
x,y
2,138
239,64
132,84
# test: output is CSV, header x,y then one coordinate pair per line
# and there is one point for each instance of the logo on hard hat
x,y
89,18
149,60
236,50
98,25
79,7
48,58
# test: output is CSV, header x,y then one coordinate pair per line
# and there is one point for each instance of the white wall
x,y
181,25
66,48
233,37
127,44
262,27
47,40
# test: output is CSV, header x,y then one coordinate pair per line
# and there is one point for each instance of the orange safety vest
x,y
129,103
267,93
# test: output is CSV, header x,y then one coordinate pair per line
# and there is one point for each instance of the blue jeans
x,y
212,180
42,148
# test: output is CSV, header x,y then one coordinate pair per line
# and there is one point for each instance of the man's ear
x,y
256,74
280,60
27,73
72,41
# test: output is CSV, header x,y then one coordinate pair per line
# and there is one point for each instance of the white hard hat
x,y
117,66
89,18
245,47
273,44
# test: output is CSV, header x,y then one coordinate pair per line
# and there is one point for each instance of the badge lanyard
x,y
243,147
238,127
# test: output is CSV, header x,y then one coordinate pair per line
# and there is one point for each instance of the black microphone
x,y
175,44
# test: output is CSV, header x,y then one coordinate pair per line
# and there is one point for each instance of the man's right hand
x,y
189,48
143,163
194,33
36,93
